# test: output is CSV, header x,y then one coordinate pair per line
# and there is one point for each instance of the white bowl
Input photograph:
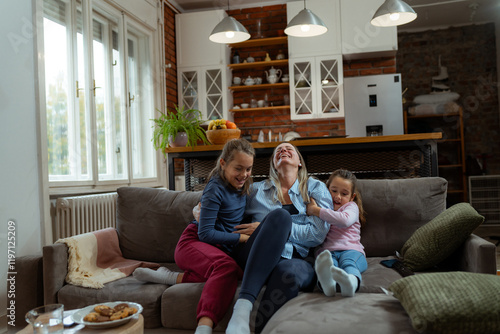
x,y
245,105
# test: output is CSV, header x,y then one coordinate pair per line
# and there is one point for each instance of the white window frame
x,y
144,23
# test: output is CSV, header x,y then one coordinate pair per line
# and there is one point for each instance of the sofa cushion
x,y
452,302
150,221
125,289
438,239
396,208
318,314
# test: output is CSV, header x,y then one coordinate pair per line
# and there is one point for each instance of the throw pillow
x,y
451,302
439,238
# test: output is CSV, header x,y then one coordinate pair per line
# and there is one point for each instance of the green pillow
x,y
451,302
439,238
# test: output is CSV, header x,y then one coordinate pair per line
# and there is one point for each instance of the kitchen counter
x,y
398,156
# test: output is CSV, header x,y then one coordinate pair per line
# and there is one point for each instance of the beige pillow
x,y
439,238
451,302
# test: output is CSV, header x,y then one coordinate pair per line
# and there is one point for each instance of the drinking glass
x,y
46,319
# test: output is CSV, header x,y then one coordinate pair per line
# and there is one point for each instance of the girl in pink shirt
x,y
341,257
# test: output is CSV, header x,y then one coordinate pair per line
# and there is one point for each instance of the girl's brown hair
x,y
347,175
228,153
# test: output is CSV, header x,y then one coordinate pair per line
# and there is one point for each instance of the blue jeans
x,y
351,261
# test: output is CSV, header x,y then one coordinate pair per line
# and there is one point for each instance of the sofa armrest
x,y
477,256
55,269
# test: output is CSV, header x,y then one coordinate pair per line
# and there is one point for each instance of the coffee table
x,y
134,326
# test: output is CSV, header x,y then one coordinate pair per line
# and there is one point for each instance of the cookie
x,y
91,317
102,318
120,307
131,310
119,315
104,310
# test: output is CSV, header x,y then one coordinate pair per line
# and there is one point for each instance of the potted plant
x,y
184,123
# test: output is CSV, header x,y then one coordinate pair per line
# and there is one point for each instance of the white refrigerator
x,y
373,105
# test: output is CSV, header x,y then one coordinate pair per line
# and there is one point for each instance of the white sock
x,y
348,282
240,320
322,266
162,275
203,329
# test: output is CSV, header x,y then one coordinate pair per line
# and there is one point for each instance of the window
x,y
100,95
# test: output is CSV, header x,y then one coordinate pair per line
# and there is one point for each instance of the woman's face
x,y
238,170
285,154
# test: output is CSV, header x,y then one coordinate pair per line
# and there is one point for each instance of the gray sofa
x,y
150,221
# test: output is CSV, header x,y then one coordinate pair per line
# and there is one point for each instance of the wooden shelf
x,y
260,109
258,64
453,123
260,42
256,87
434,115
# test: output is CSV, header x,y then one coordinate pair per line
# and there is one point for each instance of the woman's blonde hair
x,y
349,176
302,176
228,153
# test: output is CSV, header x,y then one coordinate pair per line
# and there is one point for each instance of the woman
x,y
287,191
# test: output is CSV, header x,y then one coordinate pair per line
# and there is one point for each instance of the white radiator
x,y
484,195
82,214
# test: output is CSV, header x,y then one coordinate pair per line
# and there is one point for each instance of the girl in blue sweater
x,y
203,250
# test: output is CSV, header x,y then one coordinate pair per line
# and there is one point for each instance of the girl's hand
x,y
246,229
244,238
196,212
312,208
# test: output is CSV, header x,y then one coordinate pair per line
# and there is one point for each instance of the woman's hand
x,y
244,238
313,208
246,229
196,212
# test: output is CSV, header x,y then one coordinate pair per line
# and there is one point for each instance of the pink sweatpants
x,y
203,262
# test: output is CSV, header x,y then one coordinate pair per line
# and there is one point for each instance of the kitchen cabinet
x,y
451,149
204,88
326,44
316,87
193,46
360,39
202,77
245,69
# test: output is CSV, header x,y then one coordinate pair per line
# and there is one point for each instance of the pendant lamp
x,y
393,13
305,24
229,30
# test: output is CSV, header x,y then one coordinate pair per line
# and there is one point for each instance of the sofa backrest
x,y
149,221
396,208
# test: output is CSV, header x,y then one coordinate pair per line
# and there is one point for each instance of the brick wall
x,y
469,53
170,57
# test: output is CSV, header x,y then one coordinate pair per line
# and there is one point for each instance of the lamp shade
x,y
393,13
229,30
305,24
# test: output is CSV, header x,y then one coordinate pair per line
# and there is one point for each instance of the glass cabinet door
x,y
214,94
189,90
302,96
329,83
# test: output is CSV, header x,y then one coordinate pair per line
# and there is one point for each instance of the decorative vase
x,y
181,140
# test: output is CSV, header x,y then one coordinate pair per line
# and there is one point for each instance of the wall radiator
x,y
82,214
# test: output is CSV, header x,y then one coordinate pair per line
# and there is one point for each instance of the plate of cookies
x,y
106,315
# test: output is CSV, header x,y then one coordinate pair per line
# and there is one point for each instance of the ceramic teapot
x,y
249,81
273,75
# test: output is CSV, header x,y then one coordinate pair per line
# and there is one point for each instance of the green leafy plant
x,y
168,124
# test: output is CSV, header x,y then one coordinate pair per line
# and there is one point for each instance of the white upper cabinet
x,y
326,44
360,39
193,46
